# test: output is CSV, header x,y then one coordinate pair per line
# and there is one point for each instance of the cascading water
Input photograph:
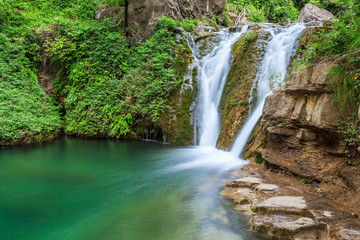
x,y
212,73
270,77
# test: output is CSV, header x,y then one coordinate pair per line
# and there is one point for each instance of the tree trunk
x,y
126,18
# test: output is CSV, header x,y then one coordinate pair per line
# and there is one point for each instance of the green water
x,y
76,189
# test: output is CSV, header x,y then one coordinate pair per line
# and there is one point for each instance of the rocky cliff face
x,y
300,133
301,126
299,130
143,14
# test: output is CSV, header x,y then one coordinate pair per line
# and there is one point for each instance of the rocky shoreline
x,y
286,207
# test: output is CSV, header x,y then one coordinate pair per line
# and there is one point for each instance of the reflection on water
x,y
89,189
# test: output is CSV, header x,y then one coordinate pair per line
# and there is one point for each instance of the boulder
x,y
313,13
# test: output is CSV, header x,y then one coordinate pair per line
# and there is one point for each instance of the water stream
x,y
212,73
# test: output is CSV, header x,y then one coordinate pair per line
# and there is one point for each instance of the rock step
x,y
284,205
286,226
247,182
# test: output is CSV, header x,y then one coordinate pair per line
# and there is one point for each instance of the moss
x,y
258,158
175,122
247,52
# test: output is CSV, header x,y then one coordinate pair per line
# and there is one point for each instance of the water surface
x,y
75,189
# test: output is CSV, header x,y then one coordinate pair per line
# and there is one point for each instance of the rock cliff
x,y
300,130
143,14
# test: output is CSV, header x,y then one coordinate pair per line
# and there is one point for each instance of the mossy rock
x,y
175,123
247,54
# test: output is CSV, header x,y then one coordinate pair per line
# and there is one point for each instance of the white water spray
x,y
270,77
212,74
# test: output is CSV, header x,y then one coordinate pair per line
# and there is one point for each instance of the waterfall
x,y
213,70
212,74
270,77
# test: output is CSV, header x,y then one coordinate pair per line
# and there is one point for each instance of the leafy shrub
x,y
262,11
25,110
339,42
171,24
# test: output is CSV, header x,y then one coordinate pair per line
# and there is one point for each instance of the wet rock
x,y
282,226
347,234
284,205
329,216
348,230
267,187
312,13
247,182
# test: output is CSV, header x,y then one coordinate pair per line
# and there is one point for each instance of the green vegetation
x,y
27,114
351,132
264,10
258,158
171,24
305,181
284,10
103,86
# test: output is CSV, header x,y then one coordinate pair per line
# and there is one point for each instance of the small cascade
x,y
270,77
212,73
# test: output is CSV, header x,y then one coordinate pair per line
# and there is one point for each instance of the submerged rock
x,y
313,13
